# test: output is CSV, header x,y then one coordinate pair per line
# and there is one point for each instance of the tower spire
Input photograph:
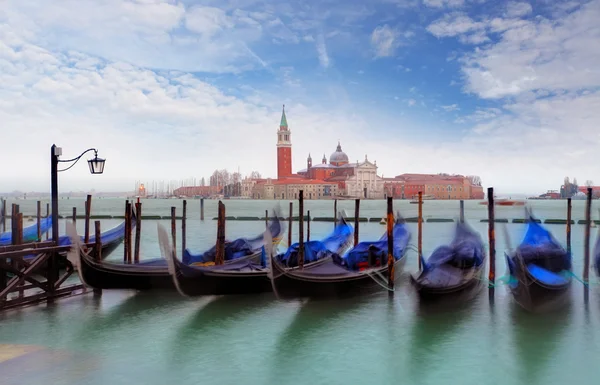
x,y
283,125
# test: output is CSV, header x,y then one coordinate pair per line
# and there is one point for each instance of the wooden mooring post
x,y
462,211
290,224
98,249
335,215
173,230
47,215
88,213
356,223
492,242
308,226
587,235
138,231
266,218
201,209
39,221
220,248
390,243
301,229
3,215
183,229
420,229
125,238
569,209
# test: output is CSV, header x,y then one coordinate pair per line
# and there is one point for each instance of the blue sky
x,y
174,89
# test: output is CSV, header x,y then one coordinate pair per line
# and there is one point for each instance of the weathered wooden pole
x,y
462,211
3,215
356,215
586,240
88,213
173,230
98,250
201,209
420,228
301,229
390,243
19,261
74,215
308,226
266,218
39,221
491,238
13,224
183,228
47,215
125,238
290,224
569,208
220,249
138,231
335,213
129,235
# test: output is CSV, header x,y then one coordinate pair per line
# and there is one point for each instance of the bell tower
x,y
284,148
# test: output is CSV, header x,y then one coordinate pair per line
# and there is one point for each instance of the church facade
x,y
330,179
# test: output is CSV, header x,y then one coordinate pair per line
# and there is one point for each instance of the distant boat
x,y
425,198
504,202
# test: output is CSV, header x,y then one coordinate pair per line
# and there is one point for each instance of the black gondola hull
x,y
467,287
293,283
195,281
112,276
533,295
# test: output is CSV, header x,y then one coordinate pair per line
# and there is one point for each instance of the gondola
x,y
452,269
540,270
243,277
153,274
360,270
29,233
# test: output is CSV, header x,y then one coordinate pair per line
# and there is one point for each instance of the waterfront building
x,y
433,186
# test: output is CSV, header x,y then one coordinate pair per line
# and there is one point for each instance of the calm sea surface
x,y
129,338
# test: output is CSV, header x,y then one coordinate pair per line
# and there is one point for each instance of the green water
x,y
129,338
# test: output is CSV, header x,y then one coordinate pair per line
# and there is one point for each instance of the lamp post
x,y
96,167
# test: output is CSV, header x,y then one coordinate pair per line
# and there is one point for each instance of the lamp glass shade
x,y
96,165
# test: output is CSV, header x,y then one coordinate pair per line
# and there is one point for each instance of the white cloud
x,y
207,21
384,41
518,9
452,107
454,24
322,51
411,102
539,54
444,3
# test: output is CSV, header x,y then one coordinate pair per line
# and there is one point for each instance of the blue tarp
x,y
316,250
235,249
465,250
106,237
29,232
358,257
539,247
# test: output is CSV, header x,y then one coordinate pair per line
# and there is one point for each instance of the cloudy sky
x,y
509,91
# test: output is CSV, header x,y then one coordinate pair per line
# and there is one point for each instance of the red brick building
x,y
284,148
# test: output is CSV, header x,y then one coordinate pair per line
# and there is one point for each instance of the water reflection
x,y
536,339
212,322
310,328
434,325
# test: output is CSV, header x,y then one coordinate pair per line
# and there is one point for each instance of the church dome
x,y
339,157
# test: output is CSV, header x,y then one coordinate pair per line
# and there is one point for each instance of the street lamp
x,y
96,167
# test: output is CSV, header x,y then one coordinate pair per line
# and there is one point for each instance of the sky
x,y
169,90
